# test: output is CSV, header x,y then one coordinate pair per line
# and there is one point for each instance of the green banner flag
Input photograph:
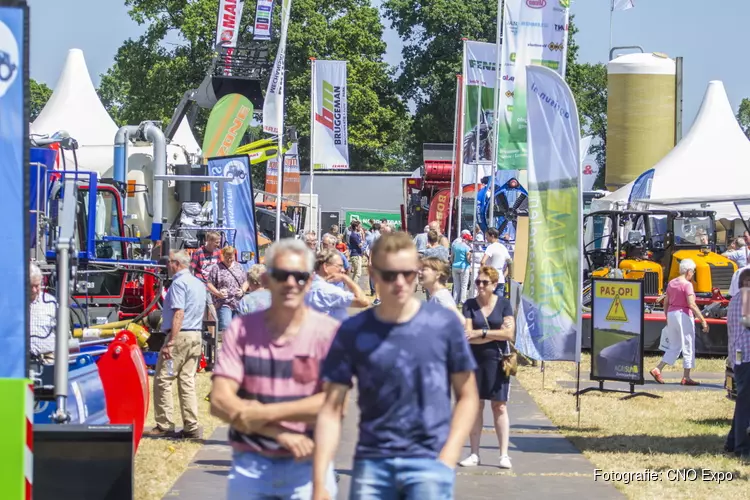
x,y
227,123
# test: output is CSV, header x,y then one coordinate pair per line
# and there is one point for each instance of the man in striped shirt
x,y
738,441
266,383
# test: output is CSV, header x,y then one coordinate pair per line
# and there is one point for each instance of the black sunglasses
x,y
482,282
391,276
282,276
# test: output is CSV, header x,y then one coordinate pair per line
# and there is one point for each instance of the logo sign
x,y
227,28
509,78
8,58
236,170
510,93
536,4
330,138
561,27
555,46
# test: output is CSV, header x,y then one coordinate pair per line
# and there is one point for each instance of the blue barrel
x,y
86,402
41,161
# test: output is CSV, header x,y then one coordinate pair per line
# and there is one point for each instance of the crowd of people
x,y
291,351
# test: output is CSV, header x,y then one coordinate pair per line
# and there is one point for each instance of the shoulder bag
x,y
510,359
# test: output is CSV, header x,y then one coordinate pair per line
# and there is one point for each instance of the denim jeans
x,y
225,315
402,479
738,440
256,477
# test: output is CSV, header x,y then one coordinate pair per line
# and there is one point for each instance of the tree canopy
x,y
743,116
39,94
151,74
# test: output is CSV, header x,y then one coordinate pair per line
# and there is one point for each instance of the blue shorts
x,y
402,479
256,477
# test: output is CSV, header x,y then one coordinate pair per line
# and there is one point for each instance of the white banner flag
x,y
263,14
549,316
535,32
330,148
228,28
622,4
274,101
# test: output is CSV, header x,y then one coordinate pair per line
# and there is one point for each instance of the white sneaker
x,y
505,462
470,461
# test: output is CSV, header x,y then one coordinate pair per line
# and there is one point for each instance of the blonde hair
x,y
254,274
227,250
437,265
324,257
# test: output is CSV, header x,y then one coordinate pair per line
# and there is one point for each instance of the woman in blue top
x,y
461,264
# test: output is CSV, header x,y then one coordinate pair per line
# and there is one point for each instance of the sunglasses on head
x,y
282,276
391,276
482,282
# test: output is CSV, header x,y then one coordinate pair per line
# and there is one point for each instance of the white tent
x,y
712,160
184,137
76,108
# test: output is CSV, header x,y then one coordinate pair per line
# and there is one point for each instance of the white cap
x,y
479,237
465,231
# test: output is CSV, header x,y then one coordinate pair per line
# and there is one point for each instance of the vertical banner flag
x,y
263,14
275,92
239,207
228,28
331,142
227,123
458,134
549,315
622,4
15,427
290,188
535,32
480,76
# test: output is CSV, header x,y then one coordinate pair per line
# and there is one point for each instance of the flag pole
x,y
313,221
611,16
453,165
460,144
496,111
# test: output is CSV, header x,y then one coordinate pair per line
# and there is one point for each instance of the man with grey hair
x,y
266,385
182,322
42,318
740,253
258,298
328,242
311,240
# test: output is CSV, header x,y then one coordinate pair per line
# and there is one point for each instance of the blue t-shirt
x,y
460,255
403,378
355,245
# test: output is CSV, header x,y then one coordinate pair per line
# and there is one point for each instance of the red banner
x,y
439,207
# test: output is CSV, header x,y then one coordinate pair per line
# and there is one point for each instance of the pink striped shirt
x,y
678,291
272,372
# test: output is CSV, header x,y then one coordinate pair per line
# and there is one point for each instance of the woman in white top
x,y
433,276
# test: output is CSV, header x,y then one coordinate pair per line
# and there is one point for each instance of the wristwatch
x,y
484,333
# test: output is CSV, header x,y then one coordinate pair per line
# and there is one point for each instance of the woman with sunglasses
x,y
489,327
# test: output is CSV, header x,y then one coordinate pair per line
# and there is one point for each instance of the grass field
x,y
159,462
682,430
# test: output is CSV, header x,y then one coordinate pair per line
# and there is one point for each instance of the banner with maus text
x,y
549,316
330,139
228,29
535,32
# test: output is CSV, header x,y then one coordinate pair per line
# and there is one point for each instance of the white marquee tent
x,y
712,160
75,107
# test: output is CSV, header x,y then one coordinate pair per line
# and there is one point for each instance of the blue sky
x,y
711,40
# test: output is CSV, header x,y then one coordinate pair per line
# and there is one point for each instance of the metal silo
x,y
640,115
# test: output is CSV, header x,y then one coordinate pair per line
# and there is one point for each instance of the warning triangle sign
x,y
616,312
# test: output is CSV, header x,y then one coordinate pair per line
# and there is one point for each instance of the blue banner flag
x,y
14,260
239,205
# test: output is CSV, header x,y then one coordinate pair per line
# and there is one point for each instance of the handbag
x,y
510,359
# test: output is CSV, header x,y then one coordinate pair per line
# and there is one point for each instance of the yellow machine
x,y
651,245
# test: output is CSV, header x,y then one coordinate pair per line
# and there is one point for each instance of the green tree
x,y
150,75
431,31
743,116
39,95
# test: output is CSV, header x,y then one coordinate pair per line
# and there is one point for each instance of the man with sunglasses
x,y
403,353
265,384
